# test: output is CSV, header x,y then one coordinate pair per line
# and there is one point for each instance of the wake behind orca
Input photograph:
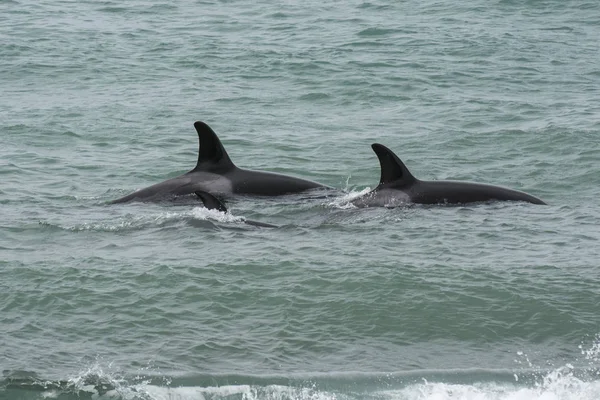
x,y
398,186
215,173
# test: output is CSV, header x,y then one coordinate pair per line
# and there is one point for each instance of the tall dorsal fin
x,y
392,168
211,153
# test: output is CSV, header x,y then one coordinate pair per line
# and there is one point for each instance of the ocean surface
x,y
173,301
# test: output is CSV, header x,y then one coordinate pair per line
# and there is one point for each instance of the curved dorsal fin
x,y
392,168
211,154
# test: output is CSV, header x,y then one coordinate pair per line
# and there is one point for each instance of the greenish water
x,y
152,301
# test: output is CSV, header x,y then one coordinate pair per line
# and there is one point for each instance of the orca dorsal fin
x,y
211,153
393,169
210,201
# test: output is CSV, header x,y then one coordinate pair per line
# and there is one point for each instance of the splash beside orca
x,y
212,203
397,186
215,173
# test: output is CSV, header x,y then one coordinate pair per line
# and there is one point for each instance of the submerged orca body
x,y
398,186
212,203
216,173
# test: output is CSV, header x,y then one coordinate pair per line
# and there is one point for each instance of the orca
x,y
217,174
212,203
397,186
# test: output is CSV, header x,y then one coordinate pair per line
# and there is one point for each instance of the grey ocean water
x,y
158,301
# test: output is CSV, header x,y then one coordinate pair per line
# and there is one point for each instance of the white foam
x,y
559,384
243,392
565,388
562,388
206,214
593,353
345,201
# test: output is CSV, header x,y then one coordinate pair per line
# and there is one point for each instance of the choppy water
x,y
150,301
